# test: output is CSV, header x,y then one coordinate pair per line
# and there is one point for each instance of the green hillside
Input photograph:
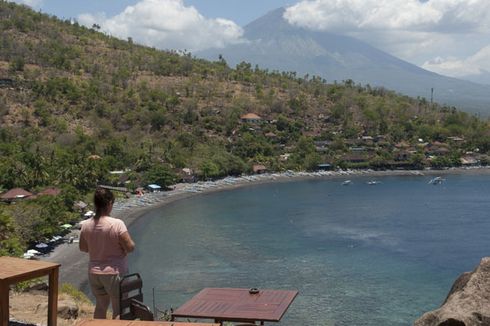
x,y
76,104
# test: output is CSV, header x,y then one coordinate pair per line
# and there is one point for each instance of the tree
x,y
251,145
418,161
305,156
209,169
17,64
51,216
9,242
161,175
440,162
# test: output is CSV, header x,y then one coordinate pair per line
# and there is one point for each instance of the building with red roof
x,y
15,194
251,118
50,192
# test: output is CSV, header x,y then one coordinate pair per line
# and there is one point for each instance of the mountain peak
x,y
270,22
275,44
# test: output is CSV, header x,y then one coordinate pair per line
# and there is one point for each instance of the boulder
x,y
67,309
468,301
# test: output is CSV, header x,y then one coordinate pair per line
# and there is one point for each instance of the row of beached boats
x,y
202,186
370,182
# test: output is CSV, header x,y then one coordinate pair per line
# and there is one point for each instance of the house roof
x,y
250,116
439,144
50,191
402,144
355,158
259,167
80,205
154,186
15,193
324,165
455,138
468,160
187,171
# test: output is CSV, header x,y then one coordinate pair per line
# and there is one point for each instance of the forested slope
x,y
76,104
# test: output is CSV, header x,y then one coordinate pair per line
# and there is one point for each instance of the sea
x,y
359,254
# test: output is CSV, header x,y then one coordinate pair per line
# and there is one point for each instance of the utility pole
x,y
431,95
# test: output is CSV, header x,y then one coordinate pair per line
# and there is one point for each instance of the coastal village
x,y
359,153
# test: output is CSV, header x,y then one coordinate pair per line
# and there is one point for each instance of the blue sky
x,y
451,37
240,11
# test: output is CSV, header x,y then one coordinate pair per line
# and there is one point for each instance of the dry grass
x,y
32,308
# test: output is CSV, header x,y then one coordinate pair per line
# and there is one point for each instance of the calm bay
x,y
359,255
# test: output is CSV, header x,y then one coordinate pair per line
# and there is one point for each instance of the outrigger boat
x,y
436,181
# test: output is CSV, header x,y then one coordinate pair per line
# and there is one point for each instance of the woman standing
x,y
108,242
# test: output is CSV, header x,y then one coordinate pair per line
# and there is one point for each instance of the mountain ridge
x,y
275,44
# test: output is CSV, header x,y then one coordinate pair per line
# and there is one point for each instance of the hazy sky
x,y
451,37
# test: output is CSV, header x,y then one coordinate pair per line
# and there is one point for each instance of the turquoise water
x,y
358,254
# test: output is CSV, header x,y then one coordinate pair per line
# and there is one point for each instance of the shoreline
x,y
74,263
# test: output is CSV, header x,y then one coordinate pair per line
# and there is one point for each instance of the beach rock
x,y
468,301
67,309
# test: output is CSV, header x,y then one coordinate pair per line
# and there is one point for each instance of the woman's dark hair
x,y
102,199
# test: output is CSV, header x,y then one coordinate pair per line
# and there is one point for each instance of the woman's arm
x,y
82,244
126,242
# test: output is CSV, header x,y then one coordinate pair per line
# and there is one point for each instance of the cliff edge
x,y
468,302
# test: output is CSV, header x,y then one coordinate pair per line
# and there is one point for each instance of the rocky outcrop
x,y
468,302
67,309
31,308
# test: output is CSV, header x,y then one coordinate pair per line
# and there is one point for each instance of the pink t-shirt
x,y
106,254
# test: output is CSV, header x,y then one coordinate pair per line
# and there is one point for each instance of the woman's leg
x,y
101,305
115,296
102,299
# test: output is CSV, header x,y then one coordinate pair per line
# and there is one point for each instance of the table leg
x,y
53,297
4,304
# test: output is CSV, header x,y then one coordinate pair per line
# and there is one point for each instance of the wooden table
x,y
237,305
14,270
109,322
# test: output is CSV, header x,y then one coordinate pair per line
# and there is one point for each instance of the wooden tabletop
x,y
13,269
109,322
231,304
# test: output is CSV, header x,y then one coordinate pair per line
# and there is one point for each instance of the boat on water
x,y
373,182
436,181
346,182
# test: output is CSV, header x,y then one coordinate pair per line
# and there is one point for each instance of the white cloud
x,y
375,15
413,30
167,24
454,67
